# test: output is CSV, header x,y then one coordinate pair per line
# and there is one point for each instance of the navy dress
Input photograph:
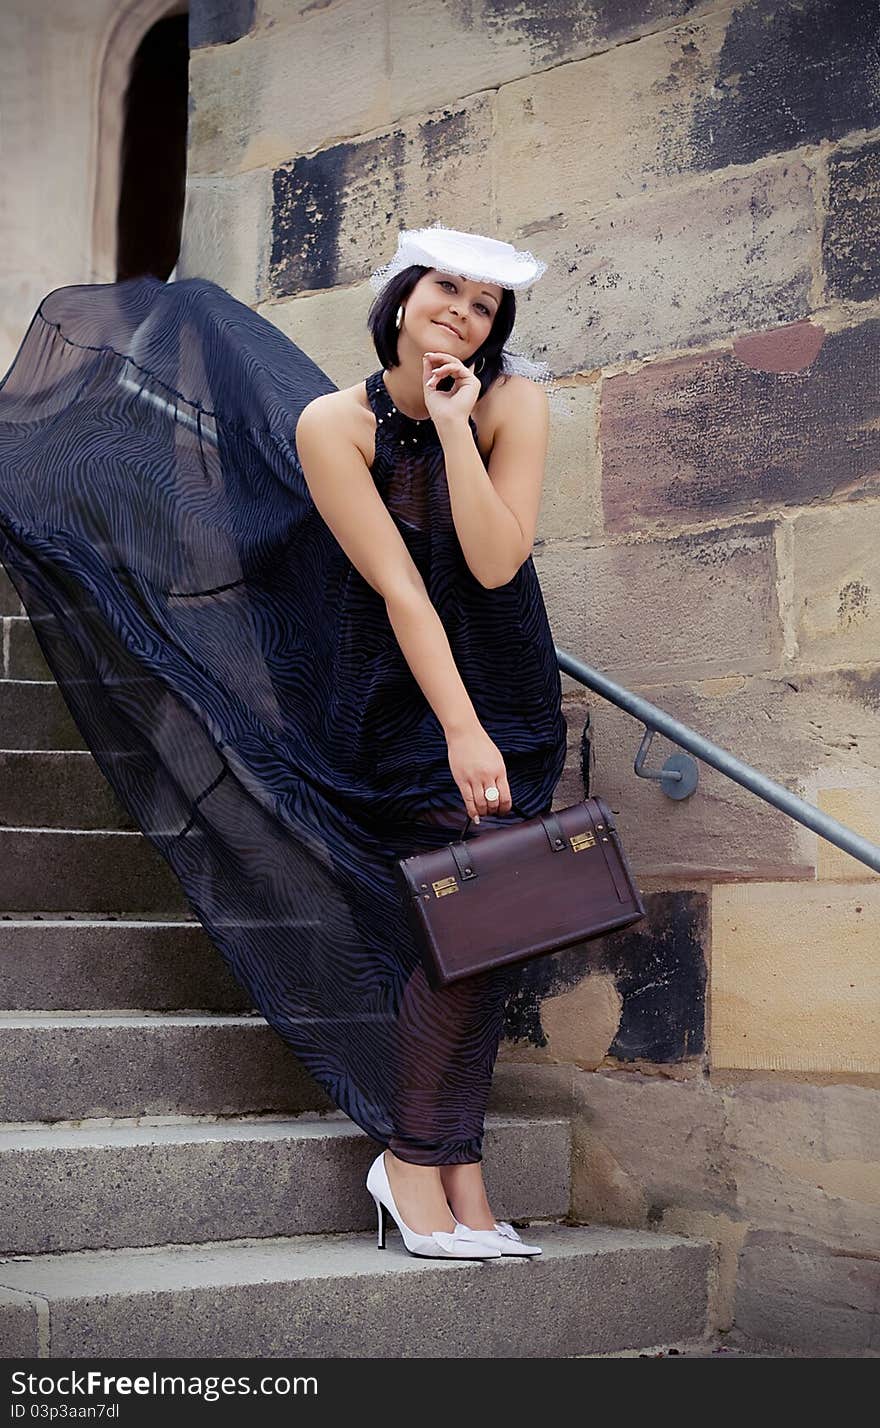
x,y
240,685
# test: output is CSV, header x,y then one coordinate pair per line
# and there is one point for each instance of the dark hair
x,y
381,322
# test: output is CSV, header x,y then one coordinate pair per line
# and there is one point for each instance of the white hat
x,y
488,260
469,255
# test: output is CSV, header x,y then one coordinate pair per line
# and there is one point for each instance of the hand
x,y
456,404
476,765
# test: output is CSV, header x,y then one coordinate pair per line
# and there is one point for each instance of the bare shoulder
x,y
344,414
511,388
512,396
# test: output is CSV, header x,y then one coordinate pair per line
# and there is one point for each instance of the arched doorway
x,y
140,141
152,161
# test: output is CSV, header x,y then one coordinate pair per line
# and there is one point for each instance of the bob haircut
x,y
380,320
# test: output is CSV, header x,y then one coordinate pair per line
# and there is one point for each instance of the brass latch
x,y
444,886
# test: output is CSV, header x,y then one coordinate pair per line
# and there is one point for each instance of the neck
x,y
404,383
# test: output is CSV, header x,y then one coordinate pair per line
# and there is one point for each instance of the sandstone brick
x,y
439,52
548,123
288,88
795,980
783,418
731,87
856,808
798,1293
807,1160
659,968
694,605
851,236
785,80
652,1010
647,1143
836,585
673,269
332,328
580,1023
788,728
571,498
226,230
728,1234
331,209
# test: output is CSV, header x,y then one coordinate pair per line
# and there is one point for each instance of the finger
x,y
483,804
492,805
502,803
505,803
470,802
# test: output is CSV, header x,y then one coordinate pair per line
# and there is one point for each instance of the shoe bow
x,y
450,1238
505,1228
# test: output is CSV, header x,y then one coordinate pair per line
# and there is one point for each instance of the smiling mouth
x,y
449,329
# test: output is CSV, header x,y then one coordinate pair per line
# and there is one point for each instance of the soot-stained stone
x,y
219,22
862,686
702,436
660,971
851,239
659,968
309,199
788,75
556,32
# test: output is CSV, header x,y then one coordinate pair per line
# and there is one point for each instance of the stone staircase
x,y
175,1184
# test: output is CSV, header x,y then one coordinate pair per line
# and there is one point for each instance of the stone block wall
x,y
702,179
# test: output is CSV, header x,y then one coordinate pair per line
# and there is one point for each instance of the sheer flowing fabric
x,y
241,688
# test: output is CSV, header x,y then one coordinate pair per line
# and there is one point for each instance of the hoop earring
x,y
478,370
398,321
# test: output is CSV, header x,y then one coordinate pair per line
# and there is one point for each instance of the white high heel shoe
x,y
460,1243
505,1238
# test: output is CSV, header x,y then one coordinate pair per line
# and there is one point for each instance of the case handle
x,y
514,807
552,827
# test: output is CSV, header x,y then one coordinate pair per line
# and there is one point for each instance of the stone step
x,y
592,1291
79,870
62,1067
81,963
33,715
24,658
51,789
104,1187
9,601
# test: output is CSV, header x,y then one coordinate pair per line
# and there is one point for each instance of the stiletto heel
x,y
460,1243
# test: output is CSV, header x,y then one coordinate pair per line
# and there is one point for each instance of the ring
x,y
492,793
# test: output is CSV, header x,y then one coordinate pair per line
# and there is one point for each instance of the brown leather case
x,y
513,893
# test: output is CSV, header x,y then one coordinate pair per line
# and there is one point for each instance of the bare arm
x,y
345,494
496,511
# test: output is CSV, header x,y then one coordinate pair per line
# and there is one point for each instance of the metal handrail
x,y
678,781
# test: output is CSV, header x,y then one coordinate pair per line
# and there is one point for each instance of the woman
x,y
301,632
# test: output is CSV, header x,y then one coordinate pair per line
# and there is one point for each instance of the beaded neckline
x,y
413,431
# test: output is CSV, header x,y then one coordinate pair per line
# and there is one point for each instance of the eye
x,y
447,282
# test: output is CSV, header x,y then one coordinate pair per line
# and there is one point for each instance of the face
x,y
468,307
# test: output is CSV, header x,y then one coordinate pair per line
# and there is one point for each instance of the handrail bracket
x,y
678,777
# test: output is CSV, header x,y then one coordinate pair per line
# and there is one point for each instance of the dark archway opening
x,y
153,154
